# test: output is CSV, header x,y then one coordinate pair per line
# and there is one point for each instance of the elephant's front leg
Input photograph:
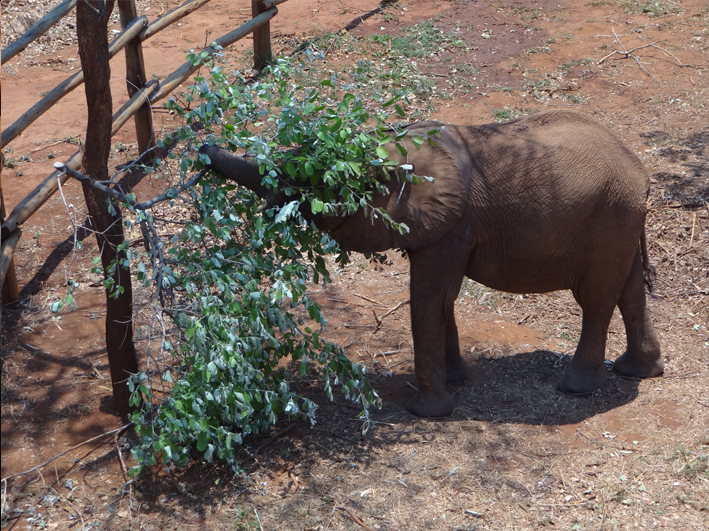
x,y
435,283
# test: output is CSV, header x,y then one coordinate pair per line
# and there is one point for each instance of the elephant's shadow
x,y
521,389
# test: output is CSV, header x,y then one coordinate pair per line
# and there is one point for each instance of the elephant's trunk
x,y
243,172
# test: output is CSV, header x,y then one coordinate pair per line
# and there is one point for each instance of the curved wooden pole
x,y
8,247
171,16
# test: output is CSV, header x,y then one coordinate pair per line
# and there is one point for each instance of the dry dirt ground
x,y
514,454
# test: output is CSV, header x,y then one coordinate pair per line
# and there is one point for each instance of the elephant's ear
x,y
429,209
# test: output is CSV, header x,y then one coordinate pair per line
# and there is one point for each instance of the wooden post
x,y
171,17
262,38
135,79
8,278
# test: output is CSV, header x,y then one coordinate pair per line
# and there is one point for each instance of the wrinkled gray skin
x,y
547,202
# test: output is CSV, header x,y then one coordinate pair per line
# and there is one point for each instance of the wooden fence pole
x,y
262,38
10,289
135,79
8,278
35,199
171,17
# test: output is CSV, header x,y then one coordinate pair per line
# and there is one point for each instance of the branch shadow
x,y
691,187
369,14
508,393
12,313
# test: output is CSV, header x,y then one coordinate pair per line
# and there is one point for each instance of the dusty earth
x,y
514,454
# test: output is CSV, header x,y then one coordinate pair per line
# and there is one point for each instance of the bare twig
x,y
368,299
77,511
118,196
120,458
377,319
401,387
631,53
355,517
45,145
694,223
407,301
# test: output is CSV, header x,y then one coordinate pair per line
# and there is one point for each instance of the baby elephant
x,y
547,202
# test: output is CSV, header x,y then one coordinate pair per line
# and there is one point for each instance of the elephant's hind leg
x,y
587,372
597,293
456,369
642,358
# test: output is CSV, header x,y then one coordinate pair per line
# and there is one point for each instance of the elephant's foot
x,y
456,370
581,381
431,405
639,366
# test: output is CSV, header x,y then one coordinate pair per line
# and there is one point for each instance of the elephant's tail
x,y
649,271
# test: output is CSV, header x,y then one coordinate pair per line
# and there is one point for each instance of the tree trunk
x,y
91,22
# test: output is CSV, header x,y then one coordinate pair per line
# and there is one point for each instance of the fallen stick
x,y
407,301
117,430
368,299
355,517
377,319
120,458
631,53
694,223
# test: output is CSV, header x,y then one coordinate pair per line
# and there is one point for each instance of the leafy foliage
x,y
237,276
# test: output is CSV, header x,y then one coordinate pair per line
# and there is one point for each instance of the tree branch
x,y
123,198
631,53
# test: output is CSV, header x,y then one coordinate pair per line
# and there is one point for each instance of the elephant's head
x,y
429,209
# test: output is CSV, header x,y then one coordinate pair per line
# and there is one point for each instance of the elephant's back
x,y
550,155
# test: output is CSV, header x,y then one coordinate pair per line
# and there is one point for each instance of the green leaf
x,y
418,141
202,441
389,102
399,110
402,149
382,152
316,206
